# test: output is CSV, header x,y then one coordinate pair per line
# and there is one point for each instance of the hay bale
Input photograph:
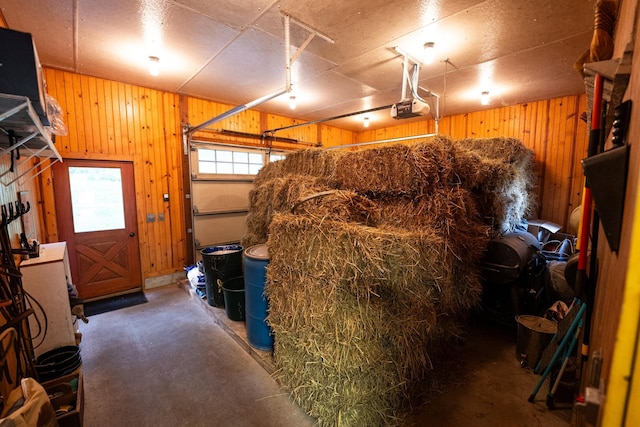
x,y
507,150
391,260
499,174
277,195
307,195
396,170
353,309
449,211
268,172
339,205
250,239
374,264
314,162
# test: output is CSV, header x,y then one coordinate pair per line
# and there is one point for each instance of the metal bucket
x,y
534,334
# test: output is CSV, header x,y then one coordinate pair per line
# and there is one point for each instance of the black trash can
x,y
220,263
233,290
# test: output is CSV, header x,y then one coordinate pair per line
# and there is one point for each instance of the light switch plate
x,y
160,217
151,218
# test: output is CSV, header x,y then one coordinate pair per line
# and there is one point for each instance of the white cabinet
x,y
45,279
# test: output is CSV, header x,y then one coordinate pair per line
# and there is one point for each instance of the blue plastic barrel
x,y
259,333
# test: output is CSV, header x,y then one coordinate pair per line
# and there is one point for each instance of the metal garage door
x,y
221,179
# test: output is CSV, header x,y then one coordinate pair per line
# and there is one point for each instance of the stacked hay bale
x,y
352,310
501,179
280,184
373,267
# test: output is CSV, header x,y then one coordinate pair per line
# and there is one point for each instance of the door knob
x,y
132,234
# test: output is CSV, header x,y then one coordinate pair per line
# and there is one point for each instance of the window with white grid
x,y
229,161
221,160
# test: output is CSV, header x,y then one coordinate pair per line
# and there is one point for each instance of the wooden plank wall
x,y
117,121
611,282
551,128
108,120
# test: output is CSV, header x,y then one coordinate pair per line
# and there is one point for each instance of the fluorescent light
x,y
154,65
484,98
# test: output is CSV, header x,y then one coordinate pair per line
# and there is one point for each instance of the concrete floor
x,y
175,361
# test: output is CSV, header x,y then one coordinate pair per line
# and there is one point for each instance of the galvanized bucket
x,y
534,334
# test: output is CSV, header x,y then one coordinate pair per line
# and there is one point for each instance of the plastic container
x,y
259,334
220,263
58,362
233,290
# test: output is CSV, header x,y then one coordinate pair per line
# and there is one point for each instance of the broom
x,y
601,47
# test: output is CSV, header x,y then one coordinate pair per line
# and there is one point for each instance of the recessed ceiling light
x,y
154,65
429,52
484,98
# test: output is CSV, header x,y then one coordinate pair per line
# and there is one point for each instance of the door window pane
x,y
96,199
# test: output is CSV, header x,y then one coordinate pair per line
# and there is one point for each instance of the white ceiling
x,y
233,51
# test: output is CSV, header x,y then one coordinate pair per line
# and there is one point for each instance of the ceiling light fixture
x,y
292,102
484,98
429,52
366,121
154,65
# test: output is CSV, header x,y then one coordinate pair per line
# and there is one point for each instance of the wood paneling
x,y
116,121
616,301
332,136
112,120
551,128
307,133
